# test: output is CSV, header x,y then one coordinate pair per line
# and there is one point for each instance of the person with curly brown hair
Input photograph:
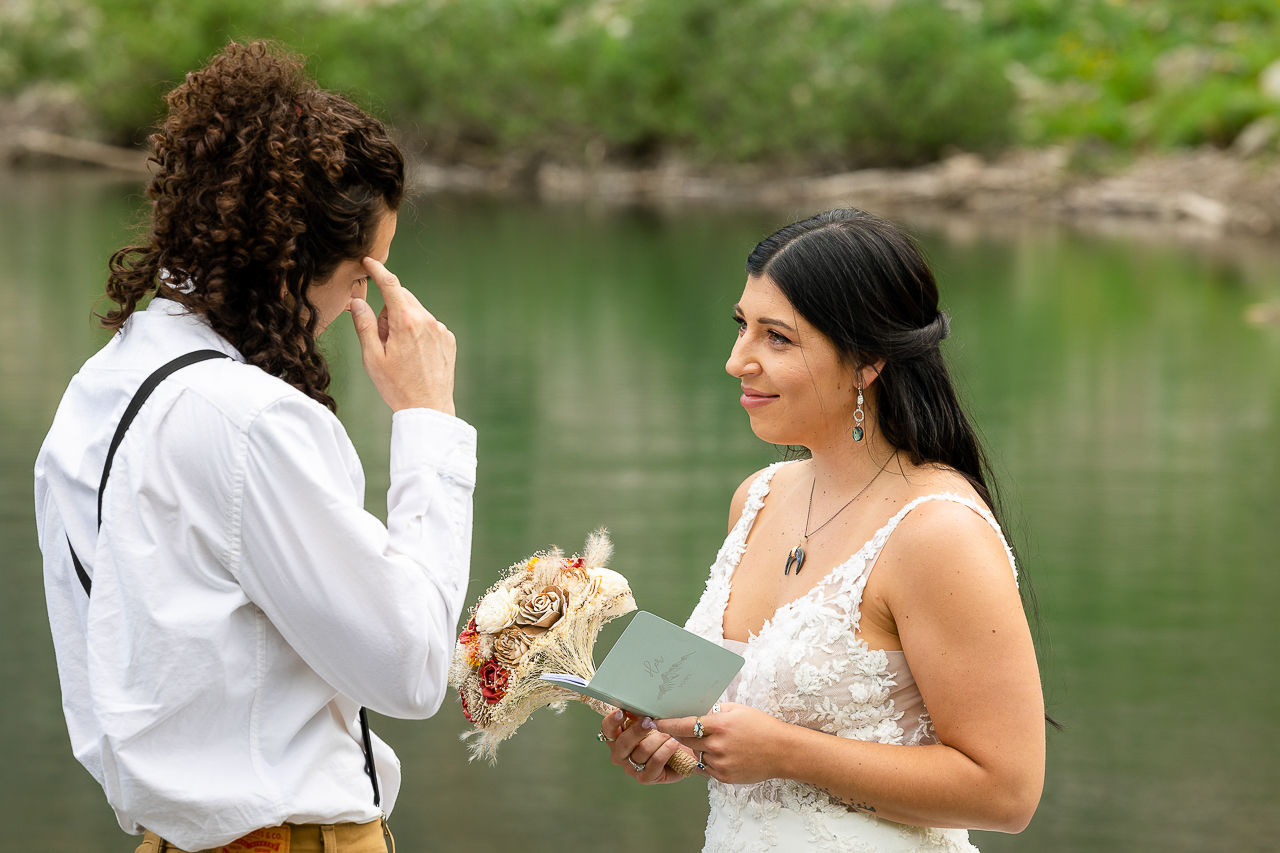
x,y
222,607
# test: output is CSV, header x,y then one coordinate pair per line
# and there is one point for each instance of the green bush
x,y
45,42
789,83
1159,73
737,80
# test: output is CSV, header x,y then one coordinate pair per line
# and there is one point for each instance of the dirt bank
x,y
1210,191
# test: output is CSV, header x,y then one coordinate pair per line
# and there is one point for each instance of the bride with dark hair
x,y
890,698
222,607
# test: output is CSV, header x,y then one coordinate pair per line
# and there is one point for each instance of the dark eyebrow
x,y
764,321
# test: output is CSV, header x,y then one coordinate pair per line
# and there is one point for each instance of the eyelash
x,y
776,337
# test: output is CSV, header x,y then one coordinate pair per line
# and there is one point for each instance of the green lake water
x,y
1133,415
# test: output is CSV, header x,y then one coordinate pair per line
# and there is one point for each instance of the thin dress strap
x,y
756,495
877,543
707,618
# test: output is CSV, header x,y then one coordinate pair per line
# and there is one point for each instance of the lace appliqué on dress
x,y
807,667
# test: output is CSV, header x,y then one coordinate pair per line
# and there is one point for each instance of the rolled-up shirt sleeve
x,y
371,608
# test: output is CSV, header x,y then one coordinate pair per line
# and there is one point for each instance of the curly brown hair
x,y
265,184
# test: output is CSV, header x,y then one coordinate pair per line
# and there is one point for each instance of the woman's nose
x,y
740,362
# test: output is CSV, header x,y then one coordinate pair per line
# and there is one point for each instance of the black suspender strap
x,y
368,755
135,405
80,572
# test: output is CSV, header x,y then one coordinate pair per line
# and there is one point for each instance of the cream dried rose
x,y
544,609
496,611
611,585
511,646
610,582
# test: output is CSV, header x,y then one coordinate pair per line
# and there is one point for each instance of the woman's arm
x,y
945,580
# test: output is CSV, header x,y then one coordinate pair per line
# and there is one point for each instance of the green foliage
x,y
826,83
805,81
44,41
1144,73
933,86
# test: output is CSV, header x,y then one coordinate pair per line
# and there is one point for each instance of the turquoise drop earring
x,y
858,417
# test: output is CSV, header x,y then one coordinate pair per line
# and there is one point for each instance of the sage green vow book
x,y
658,670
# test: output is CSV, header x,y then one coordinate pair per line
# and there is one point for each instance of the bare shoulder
x,y
739,501
941,542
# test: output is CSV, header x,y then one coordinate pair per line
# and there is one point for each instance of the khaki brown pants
x,y
372,837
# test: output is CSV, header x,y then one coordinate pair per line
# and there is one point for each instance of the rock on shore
x,y
1215,190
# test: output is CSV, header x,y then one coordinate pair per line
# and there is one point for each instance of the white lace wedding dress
x,y
807,667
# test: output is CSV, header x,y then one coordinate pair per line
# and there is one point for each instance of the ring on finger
x,y
600,737
698,730
715,709
702,765
639,768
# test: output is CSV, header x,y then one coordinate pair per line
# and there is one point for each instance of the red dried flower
x,y
469,634
493,681
466,712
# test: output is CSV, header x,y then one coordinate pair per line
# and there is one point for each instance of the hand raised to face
x,y
406,351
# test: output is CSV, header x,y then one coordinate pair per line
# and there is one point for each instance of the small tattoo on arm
x,y
854,807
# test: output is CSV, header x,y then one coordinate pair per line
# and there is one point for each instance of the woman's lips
x,y
752,399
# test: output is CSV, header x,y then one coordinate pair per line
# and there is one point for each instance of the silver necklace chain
x,y
796,555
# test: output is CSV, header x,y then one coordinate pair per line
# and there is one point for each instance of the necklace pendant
x,y
796,558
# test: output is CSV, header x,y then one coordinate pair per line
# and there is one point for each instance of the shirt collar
x,y
179,322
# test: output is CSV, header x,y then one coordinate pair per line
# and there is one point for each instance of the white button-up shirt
x,y
244,604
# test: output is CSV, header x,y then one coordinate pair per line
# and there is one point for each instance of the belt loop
x,y
329,838
151,843
387,836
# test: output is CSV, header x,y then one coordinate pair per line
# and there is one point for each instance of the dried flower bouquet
x,y
543,616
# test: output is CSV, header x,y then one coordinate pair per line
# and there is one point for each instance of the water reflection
x,y
1136,414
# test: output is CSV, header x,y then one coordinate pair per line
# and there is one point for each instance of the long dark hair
x,y
264,184
864,283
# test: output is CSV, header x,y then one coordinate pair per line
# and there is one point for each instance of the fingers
x,y
655,766
627,739
406,351
638,744
706,737
365,322
647,762
399,302
611,726
699,756
681,727
388,284
641,750
690,731
384,326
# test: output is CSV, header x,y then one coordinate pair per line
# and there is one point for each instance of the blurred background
x,y
1094,181
827,83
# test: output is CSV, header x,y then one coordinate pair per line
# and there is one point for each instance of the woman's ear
x,y
869,373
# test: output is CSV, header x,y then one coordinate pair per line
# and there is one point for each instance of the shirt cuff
x,y
428,438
